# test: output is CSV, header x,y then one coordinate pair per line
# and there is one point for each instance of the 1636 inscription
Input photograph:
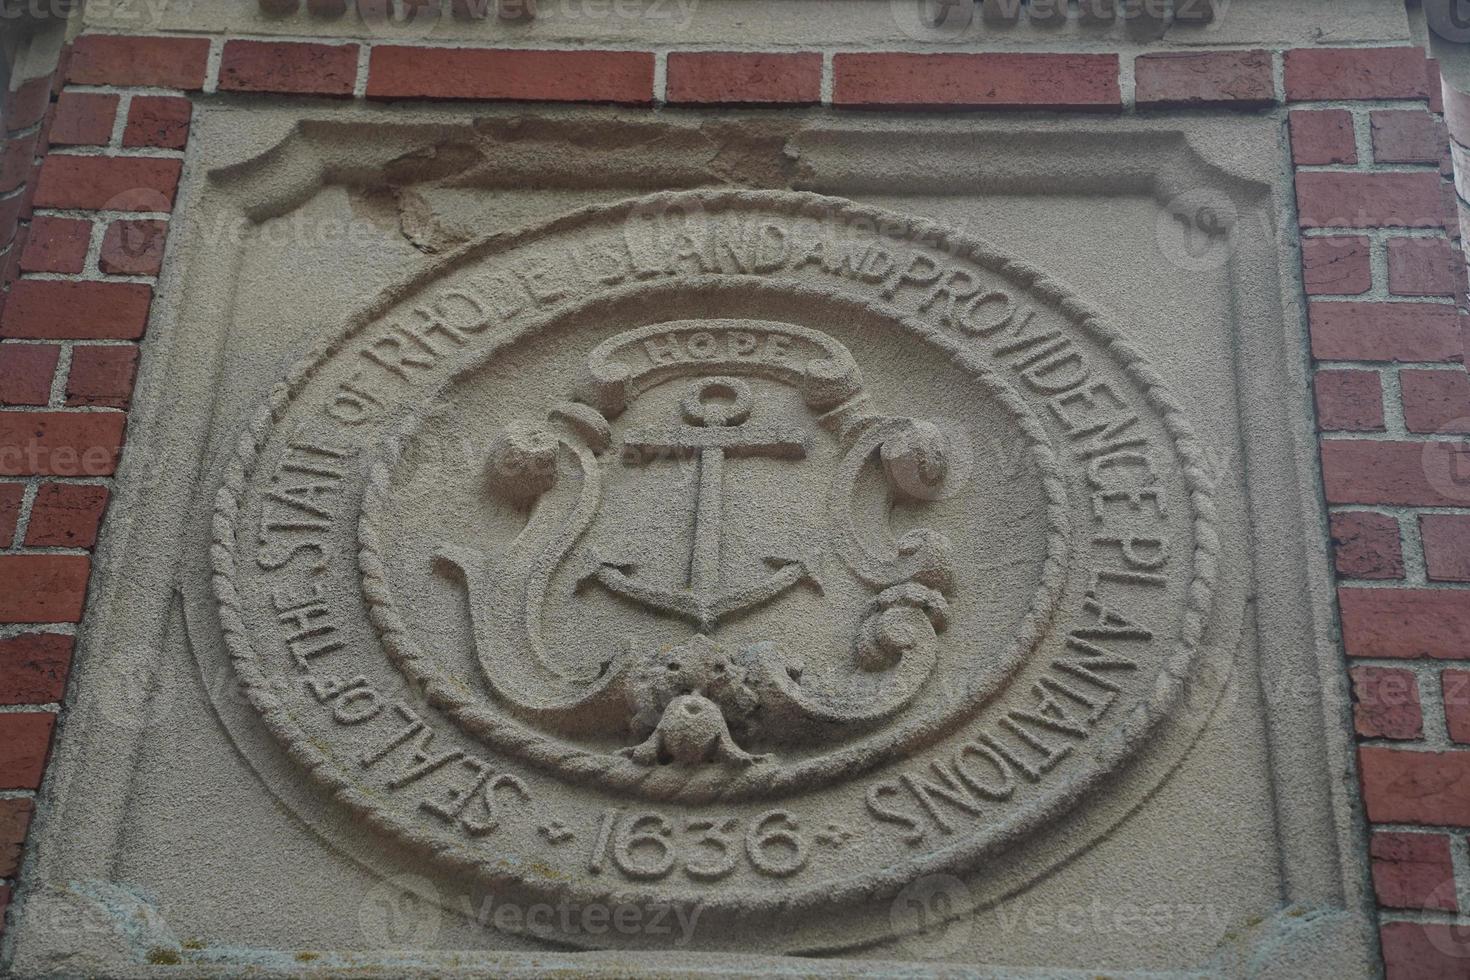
x,y
755,550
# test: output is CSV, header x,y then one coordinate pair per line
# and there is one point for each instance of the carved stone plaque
x,y
577,572
755,550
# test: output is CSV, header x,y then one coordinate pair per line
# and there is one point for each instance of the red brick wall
x,y
1381,269
85,229
32,666
1385,279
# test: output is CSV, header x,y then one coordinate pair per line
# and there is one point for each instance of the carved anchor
x,y
717,410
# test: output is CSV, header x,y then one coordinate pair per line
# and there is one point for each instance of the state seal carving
x,y
758,551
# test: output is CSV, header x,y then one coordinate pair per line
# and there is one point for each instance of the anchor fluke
x,y
704,612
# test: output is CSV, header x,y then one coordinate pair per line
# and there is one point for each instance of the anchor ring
x,y
717,402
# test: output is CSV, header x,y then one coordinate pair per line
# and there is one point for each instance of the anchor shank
x,y
717,410
704,564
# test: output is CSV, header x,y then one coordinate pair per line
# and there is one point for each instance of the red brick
x,y
1455,690
1413,871
1386,703
288,67
1331,199
1189,79
1424,951
102,376
400,72
25,373
133,247
160,121
991,81
34,667
66,515
17,160
53,310
735,78
1433,82
1436,401
60,443
1322,74
1322,136
1432,473
1404,786
27,104
25,738
111,183
1446,546
44,588
1407,136
56,245
1385,332
1366,545
118,59
1425,267
1336,266
1348,401
1405,623
15,820
10,497
83,119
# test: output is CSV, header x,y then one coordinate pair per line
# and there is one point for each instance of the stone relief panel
x,y
673,511
793,566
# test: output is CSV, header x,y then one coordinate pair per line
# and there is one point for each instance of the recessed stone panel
x,y
586,540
